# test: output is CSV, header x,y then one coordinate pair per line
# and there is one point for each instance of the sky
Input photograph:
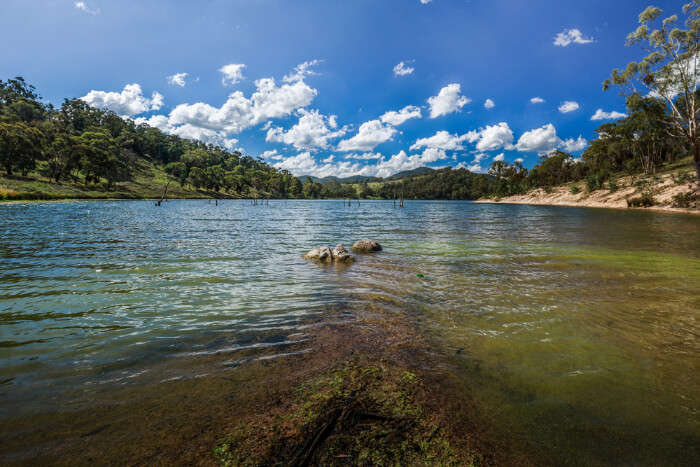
x,y
325,87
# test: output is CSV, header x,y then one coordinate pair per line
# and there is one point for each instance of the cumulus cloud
x,y
305,164
364,157
536,100
540,140
401,69
301,71
425,2
370,135
440,140
231,73
310,132
127,103
574,145
216,124
519,160
83,6
395,118
544,140
499,158
272,155
601,115
448,100
238,112
489,104
571,36
491,137
178,79
568,106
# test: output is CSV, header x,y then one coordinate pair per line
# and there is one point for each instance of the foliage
x,y
645,200
575,189
80,143
684,200
669,72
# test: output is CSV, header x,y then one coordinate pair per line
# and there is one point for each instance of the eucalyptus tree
x,y
669,70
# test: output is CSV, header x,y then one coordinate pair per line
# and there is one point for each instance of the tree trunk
x,y
696,159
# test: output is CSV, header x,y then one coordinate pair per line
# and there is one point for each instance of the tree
x,y
669,71
20,147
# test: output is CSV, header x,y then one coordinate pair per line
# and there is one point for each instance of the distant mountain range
x,y
363,178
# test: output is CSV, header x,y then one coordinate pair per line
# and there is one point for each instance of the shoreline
x,y
663,189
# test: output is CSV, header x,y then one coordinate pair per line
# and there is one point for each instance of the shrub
x,y
684,200
594,182
645,200
575,189
612,186
682,177
8,193
548,189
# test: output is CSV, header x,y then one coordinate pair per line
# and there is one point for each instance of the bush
x,y
612,186
594,182
684,200
645,200
682,177
575,189
548,189
7,193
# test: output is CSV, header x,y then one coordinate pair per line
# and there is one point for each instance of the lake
x,y
575,331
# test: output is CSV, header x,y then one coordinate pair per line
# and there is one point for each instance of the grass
x,y
148,182
360,413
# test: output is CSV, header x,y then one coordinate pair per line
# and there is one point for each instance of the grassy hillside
x,y
148,182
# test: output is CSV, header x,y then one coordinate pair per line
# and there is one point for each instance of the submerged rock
x,y
340,254
325,255
366,246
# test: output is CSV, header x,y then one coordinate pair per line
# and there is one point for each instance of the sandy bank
x,y
663,188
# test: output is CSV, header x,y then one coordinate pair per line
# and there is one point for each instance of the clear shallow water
x,y
576,330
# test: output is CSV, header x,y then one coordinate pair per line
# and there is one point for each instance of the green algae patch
x,y
358,413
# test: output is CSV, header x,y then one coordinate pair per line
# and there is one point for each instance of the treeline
x,y
81,144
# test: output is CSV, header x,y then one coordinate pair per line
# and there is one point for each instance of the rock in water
x,y
366,246
322,254
325,255
341,255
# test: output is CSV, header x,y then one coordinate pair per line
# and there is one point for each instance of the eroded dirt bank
x,y
667,193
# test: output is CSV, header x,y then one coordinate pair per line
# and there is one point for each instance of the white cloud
x,y
499,157
310,132
127,103
569,36
575,145
536,100
440,140
520,160
329,159
401,69
540,140
447,101
395,118
478,157
489,104
232,73
178,79
425,2
273,155
83,6
568,106
544,140
370,135
493,137
301,71
238,112
601,115
364,157
216,124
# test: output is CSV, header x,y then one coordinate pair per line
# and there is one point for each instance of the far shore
x,y
663,189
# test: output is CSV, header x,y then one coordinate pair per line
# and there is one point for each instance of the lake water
x,y
576,331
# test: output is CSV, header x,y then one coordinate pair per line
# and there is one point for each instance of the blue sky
x,y
308,84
